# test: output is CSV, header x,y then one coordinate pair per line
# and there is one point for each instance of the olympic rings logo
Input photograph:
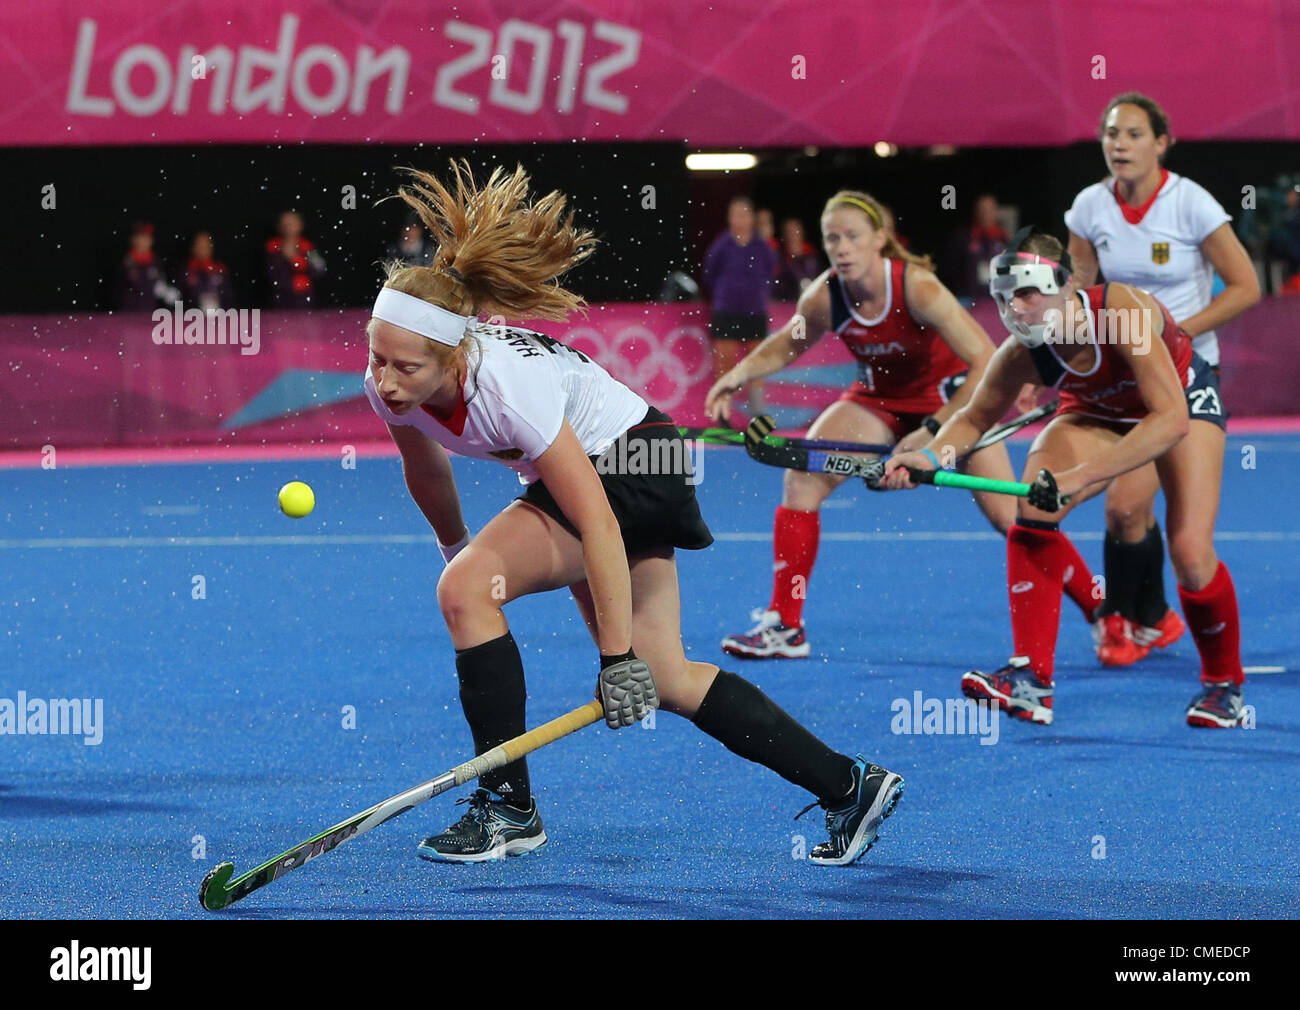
x,y
660,357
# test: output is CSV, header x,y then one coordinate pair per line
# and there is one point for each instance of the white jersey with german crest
x,y
1161,253
517,396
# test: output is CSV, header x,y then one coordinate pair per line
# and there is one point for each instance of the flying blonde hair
x,y
498,252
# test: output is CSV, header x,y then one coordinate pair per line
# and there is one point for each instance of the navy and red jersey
x,y
902,365
293,281
1109,389
207,284
139,282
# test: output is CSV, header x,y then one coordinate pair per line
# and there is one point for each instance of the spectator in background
x,y
140,284
765,222
1284,242
973,247
738,269
412,247
207,281
799,264
766,225
293,266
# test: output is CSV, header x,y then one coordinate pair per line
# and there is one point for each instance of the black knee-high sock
x,y
1124,564
1135,578
493,696
747,722
1149,603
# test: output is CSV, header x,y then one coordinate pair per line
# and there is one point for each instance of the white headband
x,y
419,316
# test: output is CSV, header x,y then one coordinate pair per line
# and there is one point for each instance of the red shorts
x,y
1120,427
904,415
899,422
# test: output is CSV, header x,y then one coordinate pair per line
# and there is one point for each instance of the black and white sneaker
x,y
490,829
854,825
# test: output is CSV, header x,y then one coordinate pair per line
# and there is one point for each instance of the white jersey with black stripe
x,y
1162,252
516,397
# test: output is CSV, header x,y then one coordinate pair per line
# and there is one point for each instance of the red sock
x,y
1036,563
1079,586
794,549
1215,624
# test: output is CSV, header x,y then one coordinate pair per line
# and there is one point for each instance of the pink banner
x,y
99,381
727,72
128,380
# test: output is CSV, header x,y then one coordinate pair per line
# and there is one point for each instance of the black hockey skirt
x,y
650,484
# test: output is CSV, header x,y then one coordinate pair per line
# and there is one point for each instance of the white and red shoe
x,y
1167,630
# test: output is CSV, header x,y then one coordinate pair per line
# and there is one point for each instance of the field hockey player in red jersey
x,y
1132,392
919,354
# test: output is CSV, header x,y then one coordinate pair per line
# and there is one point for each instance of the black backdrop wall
x,y
1042,182
63,259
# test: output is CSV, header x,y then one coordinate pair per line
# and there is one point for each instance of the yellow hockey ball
x,y
297,499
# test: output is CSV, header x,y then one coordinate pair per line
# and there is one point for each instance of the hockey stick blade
x,y
218,891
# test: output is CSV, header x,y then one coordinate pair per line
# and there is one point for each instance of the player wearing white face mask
x,y
1125,402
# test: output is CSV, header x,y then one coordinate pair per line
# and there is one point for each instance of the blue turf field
x,y
223,715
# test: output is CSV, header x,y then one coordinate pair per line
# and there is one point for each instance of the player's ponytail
x,y
498,253
881,219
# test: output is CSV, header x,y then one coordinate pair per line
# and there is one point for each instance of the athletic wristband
x,y
931,424
450,551
931,457
611,660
